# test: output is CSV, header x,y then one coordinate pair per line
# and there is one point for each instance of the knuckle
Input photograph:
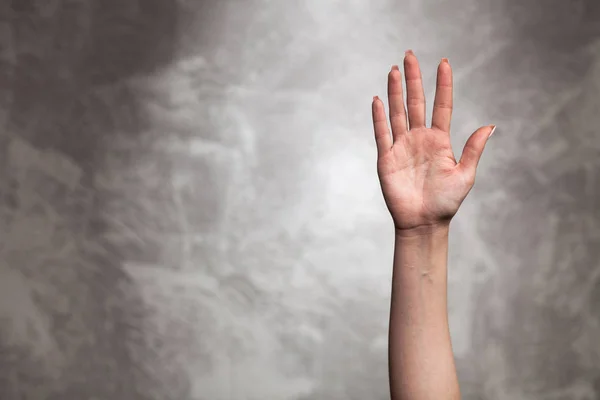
x,y
397,114
415,101
444,104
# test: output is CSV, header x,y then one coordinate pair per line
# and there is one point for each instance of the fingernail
x,y
375,98
409,51
444,60
395,67
493,129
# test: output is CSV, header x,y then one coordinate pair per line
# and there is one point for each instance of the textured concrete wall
x,y
189,206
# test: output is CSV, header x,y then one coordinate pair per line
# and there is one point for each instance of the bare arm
x,y
423,186
420,354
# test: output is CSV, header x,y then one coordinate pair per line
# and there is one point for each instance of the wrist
x,y
435,229
424,247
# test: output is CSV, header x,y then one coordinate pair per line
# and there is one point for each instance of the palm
x,y
418,179
421,181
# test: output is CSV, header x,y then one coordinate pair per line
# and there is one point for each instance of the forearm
x,y
420,351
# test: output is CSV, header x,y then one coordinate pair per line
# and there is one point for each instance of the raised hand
x,y
423,185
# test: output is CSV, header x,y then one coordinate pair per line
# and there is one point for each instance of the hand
x,y
423,185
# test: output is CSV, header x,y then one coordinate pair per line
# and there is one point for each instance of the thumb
x,y
473,150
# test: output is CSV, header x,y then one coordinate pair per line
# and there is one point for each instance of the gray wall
x,y
190,208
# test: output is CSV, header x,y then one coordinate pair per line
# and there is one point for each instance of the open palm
x,y
422,183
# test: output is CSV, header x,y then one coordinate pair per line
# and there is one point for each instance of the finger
x,y
382,132
415,96
396,102
442,105
472,151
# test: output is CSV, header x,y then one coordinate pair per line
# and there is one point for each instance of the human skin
x,y
423,186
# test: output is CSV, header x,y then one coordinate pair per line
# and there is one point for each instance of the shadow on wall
x,y
70,59
71,319
536,320
552,24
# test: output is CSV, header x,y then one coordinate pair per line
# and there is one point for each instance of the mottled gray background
x,y
190,209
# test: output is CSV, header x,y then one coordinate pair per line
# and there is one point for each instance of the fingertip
x,y
444,65
377,109
375,102
394,76
409,60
